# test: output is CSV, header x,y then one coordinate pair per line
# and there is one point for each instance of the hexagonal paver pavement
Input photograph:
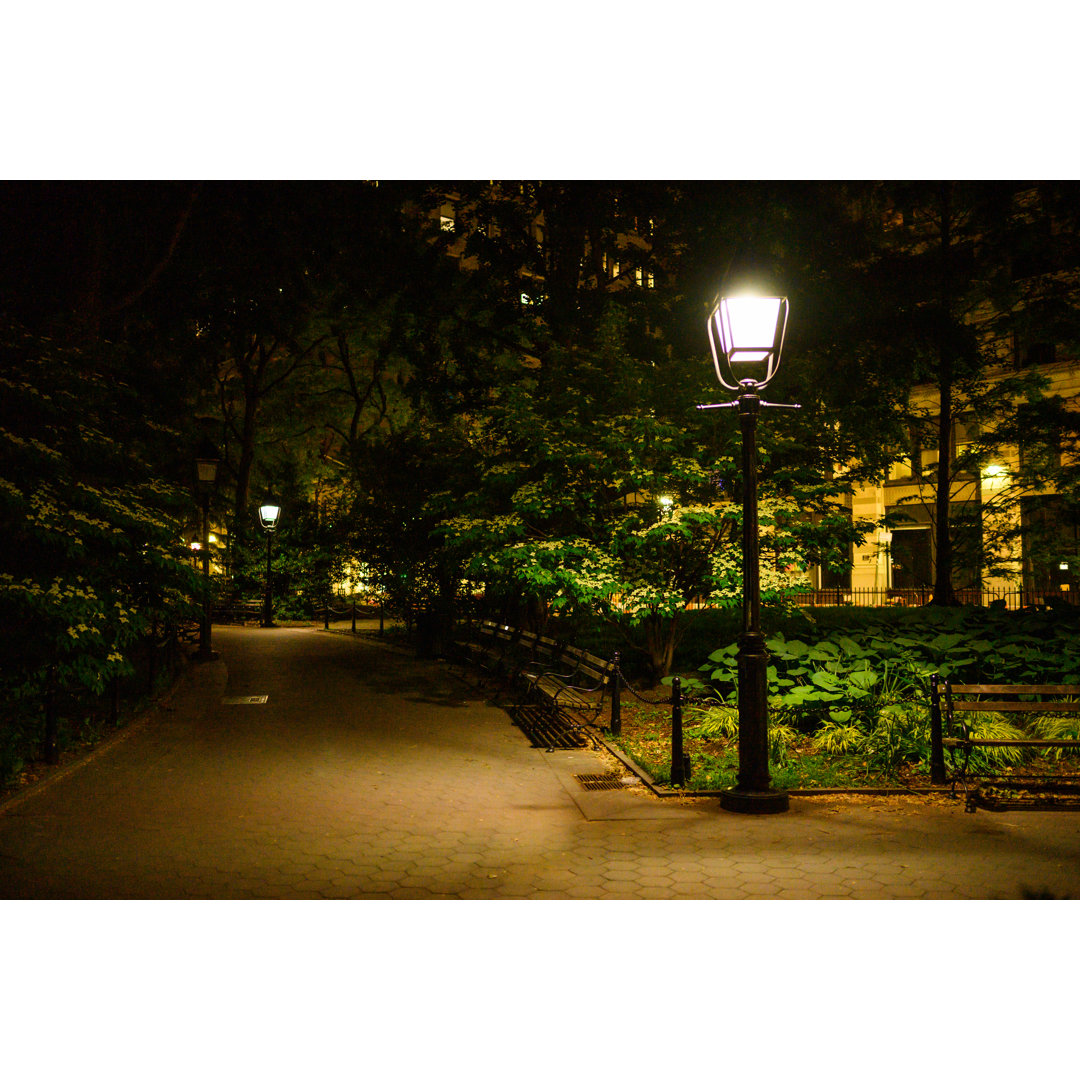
x,y
371,774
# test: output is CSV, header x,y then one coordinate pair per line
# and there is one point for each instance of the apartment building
x,y
1031,530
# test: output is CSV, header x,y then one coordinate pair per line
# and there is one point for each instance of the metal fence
x,y
1013,599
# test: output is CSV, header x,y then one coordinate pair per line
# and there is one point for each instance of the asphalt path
x,y
313,765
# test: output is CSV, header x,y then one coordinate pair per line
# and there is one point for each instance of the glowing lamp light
x,y
268,515
746,335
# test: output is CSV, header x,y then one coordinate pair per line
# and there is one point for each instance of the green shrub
x,y
994,726
837,737
721,722
781,739
1056,727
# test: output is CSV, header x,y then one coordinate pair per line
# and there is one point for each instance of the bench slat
x,y
955,743
1016,706
1011,688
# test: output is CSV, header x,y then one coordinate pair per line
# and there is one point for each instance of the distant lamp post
x,y
206,475
746,335
268,516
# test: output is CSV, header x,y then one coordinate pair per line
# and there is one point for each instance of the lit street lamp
x,y
206,472
268,516
746,334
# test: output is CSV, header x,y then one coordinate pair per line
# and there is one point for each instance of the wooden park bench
x,y
486,647
955,735
237,611
534,655
575,686
561,687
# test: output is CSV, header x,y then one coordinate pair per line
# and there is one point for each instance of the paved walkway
x,y
370,774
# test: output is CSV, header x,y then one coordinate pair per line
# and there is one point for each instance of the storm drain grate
x,y
251,699
600,781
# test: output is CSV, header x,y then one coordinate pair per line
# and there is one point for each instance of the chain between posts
x,y
680,760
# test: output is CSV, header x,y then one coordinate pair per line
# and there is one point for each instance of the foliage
x,y
89,528
586,501
719,722
1057,727
889,657
863,690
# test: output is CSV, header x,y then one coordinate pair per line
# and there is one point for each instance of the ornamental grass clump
x,y
991,725
1057,727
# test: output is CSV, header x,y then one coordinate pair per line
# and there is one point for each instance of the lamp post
x,y
206,472
746,334
268,516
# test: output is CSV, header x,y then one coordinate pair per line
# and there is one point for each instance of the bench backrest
x,y
587,665
1011,701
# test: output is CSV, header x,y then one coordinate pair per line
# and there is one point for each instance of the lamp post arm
x,y
735,405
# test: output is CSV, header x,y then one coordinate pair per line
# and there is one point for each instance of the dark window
x,y
835,579
911,564
1030,351
1051,546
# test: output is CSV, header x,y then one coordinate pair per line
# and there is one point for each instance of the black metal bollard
x,y
354,615
678,760
616,701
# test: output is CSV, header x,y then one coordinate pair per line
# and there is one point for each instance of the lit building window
x,y
645,278
965,433
446,223
901,470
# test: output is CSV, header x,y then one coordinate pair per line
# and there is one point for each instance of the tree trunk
x,y
660,643
943,558
251,375
943,555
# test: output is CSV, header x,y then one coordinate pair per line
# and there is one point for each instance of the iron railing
x,y
1013,599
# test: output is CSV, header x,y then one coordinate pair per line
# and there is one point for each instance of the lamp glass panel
x,y
207,471
269,514
750,324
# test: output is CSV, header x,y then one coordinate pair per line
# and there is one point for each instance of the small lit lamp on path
x,y
206,473
268,516
746,334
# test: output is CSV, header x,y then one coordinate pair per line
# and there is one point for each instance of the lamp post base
x,y
754,802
